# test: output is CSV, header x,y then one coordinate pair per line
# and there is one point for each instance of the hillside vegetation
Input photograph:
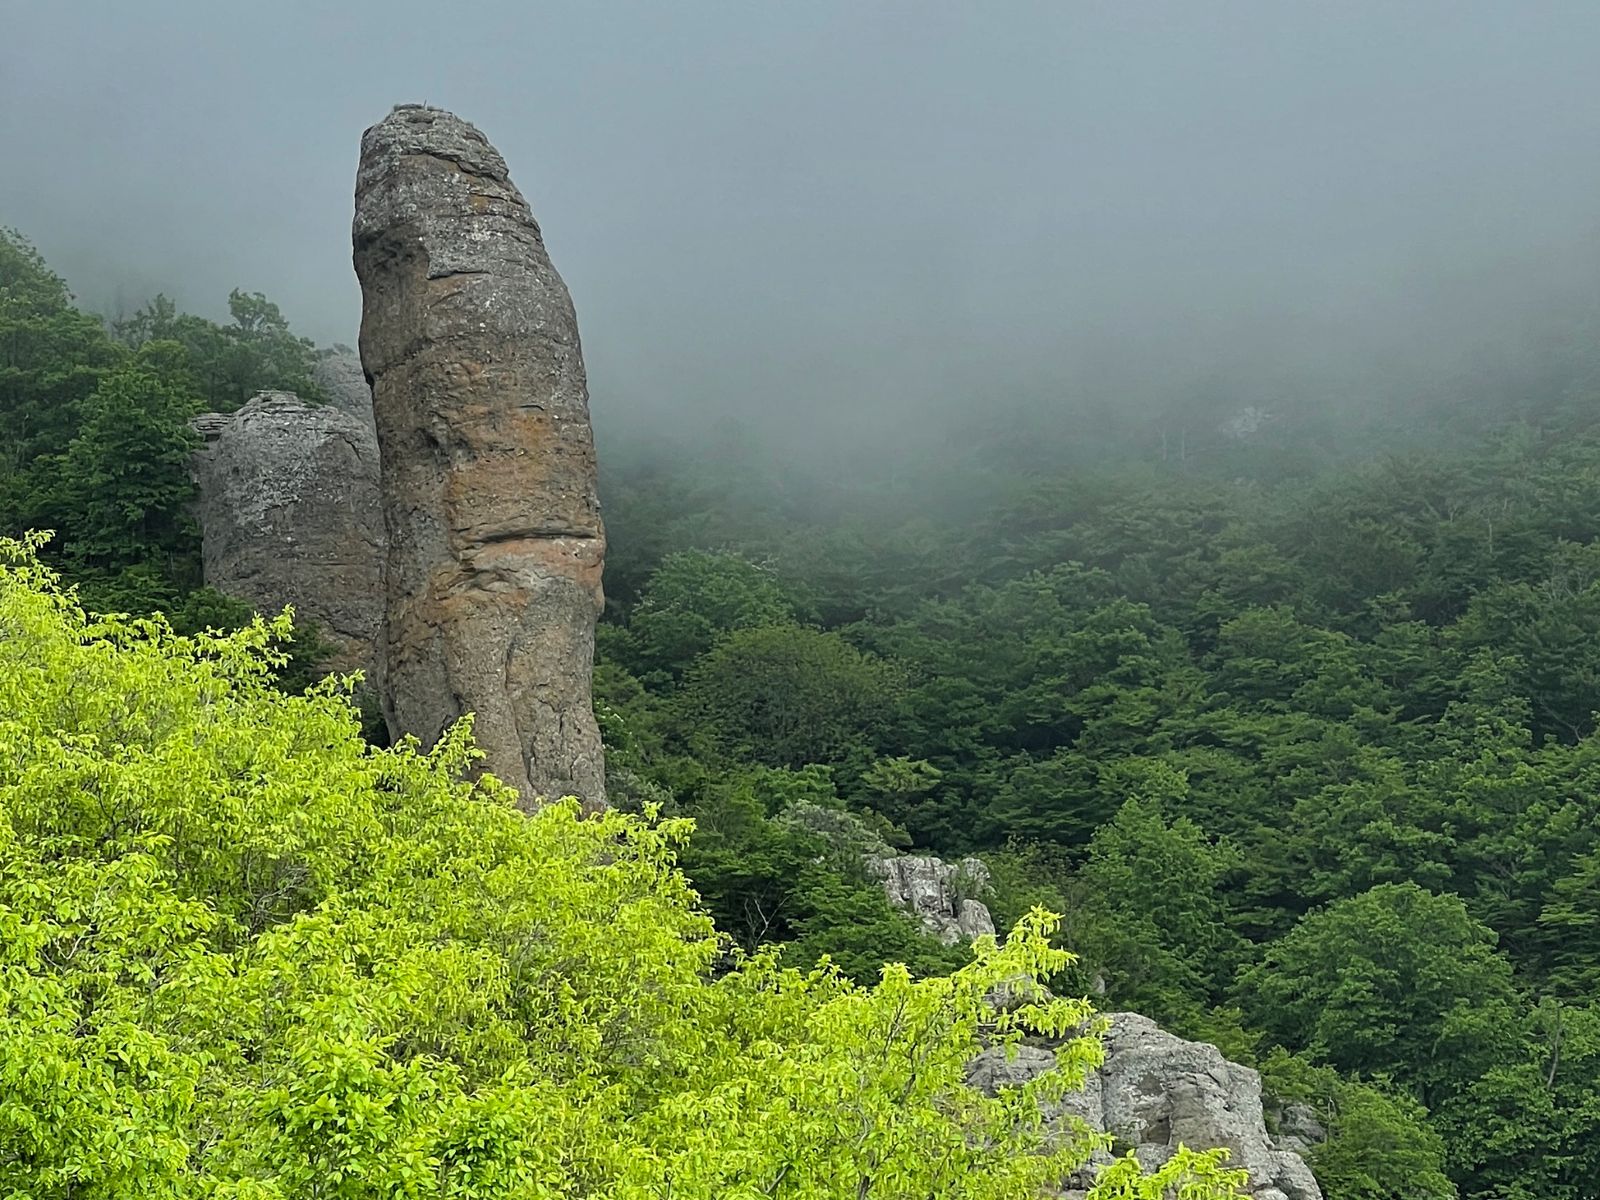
x,y
1302,743
246,955
1295,730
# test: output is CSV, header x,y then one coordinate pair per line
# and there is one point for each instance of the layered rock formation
x,y
289,515
943,896
495,540
1156,1092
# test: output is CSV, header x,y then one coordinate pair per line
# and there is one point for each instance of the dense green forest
x,y
1295,726
1309,762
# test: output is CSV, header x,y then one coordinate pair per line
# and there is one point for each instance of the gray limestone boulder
x,y
1156,1092
994,1069
943,896
289,515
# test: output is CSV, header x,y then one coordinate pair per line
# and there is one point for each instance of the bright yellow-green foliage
x,y
244,955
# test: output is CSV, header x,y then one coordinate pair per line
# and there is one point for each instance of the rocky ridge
x,y
479,401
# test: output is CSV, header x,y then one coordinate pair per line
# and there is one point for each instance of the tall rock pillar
x,y
488,469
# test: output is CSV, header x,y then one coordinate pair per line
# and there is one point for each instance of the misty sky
x,y
804,208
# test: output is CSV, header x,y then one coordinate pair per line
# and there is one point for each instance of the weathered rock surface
x,y
482,413
943,896
338,373
1299,1127
1155,1092
289,515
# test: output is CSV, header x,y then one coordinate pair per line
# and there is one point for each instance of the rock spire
x,y
495,540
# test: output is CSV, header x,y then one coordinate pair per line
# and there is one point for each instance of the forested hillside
x,y
1293,723
1301,739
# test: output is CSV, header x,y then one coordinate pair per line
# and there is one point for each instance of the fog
x,y
843,219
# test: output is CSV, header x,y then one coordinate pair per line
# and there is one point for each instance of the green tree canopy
x,y
1397,980
787,695
694,597
1378,1142
230,363
125,483
1148,908
242,955
51,357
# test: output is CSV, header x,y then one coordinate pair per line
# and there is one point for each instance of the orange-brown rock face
x,y
495,539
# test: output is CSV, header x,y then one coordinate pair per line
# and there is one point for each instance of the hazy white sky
x,y
809,206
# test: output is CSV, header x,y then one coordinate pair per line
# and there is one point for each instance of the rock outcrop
x,y
1155,1092
338,373
495,539
289,515
943,896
